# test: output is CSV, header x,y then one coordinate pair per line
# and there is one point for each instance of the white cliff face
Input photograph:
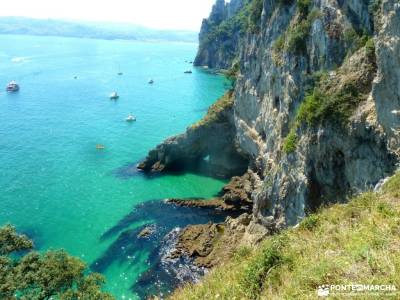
x,y
217,50
386,88
348,138
330,162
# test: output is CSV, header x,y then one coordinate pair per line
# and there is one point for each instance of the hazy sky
x,y
166,14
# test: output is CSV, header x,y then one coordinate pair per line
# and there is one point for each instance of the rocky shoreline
x,y
311,121
185,254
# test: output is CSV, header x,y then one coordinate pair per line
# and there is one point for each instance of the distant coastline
x,y
93,30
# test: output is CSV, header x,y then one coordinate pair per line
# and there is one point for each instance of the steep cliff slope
x,y
308,85
219,35
316,104
357,242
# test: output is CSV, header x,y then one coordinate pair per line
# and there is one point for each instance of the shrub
x,y
374,6
257,271
303,7
255,11
322,106
285,2
354,40
298,35
233,72
279,44
215,112
309,108
290,143
52,275
370,47
297,38
310,223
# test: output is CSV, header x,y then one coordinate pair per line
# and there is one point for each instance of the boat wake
x,y
18,60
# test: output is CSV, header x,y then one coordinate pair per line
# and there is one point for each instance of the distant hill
x,y
30,26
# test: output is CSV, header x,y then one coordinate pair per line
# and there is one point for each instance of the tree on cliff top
x,y
35,276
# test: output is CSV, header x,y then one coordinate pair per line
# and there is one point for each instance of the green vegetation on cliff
x,y
294,40
335,100
336,95
35,276
214,113
222,36
357,242
290,142
246,19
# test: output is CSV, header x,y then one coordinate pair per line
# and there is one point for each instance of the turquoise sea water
x,y
54,184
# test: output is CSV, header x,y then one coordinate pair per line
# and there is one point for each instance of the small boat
x,y
12,86
75,77
130,118
120,73
114,96
396,112
100,147
151,81
188,72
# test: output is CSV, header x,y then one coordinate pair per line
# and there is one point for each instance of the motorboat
x,y
188,72
100,147
130,118
12,86
396,112
114,96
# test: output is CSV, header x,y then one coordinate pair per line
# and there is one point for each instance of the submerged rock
x,y
215,203
146,232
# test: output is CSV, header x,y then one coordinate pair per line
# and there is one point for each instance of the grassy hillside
x,y
354,243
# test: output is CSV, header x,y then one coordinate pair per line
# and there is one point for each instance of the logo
x,y
326,290
323,291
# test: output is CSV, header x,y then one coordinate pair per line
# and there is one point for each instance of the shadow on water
x,y
163,274
35,235
130,170
201,110
127,171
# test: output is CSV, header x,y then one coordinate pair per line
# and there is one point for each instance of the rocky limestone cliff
x,y
340,143
218,47
316,104
207,147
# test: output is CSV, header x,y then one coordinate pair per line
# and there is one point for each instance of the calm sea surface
x,y
54,184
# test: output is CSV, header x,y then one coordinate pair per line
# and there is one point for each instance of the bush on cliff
x,y
290,143
255,11
215,112
357,242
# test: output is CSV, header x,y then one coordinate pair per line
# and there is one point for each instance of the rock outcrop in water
x,y
315,106
208,146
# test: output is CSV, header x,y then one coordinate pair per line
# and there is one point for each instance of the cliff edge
x,y
315,112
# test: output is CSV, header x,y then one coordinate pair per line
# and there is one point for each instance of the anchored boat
x,y
114,96
12,86
130,118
